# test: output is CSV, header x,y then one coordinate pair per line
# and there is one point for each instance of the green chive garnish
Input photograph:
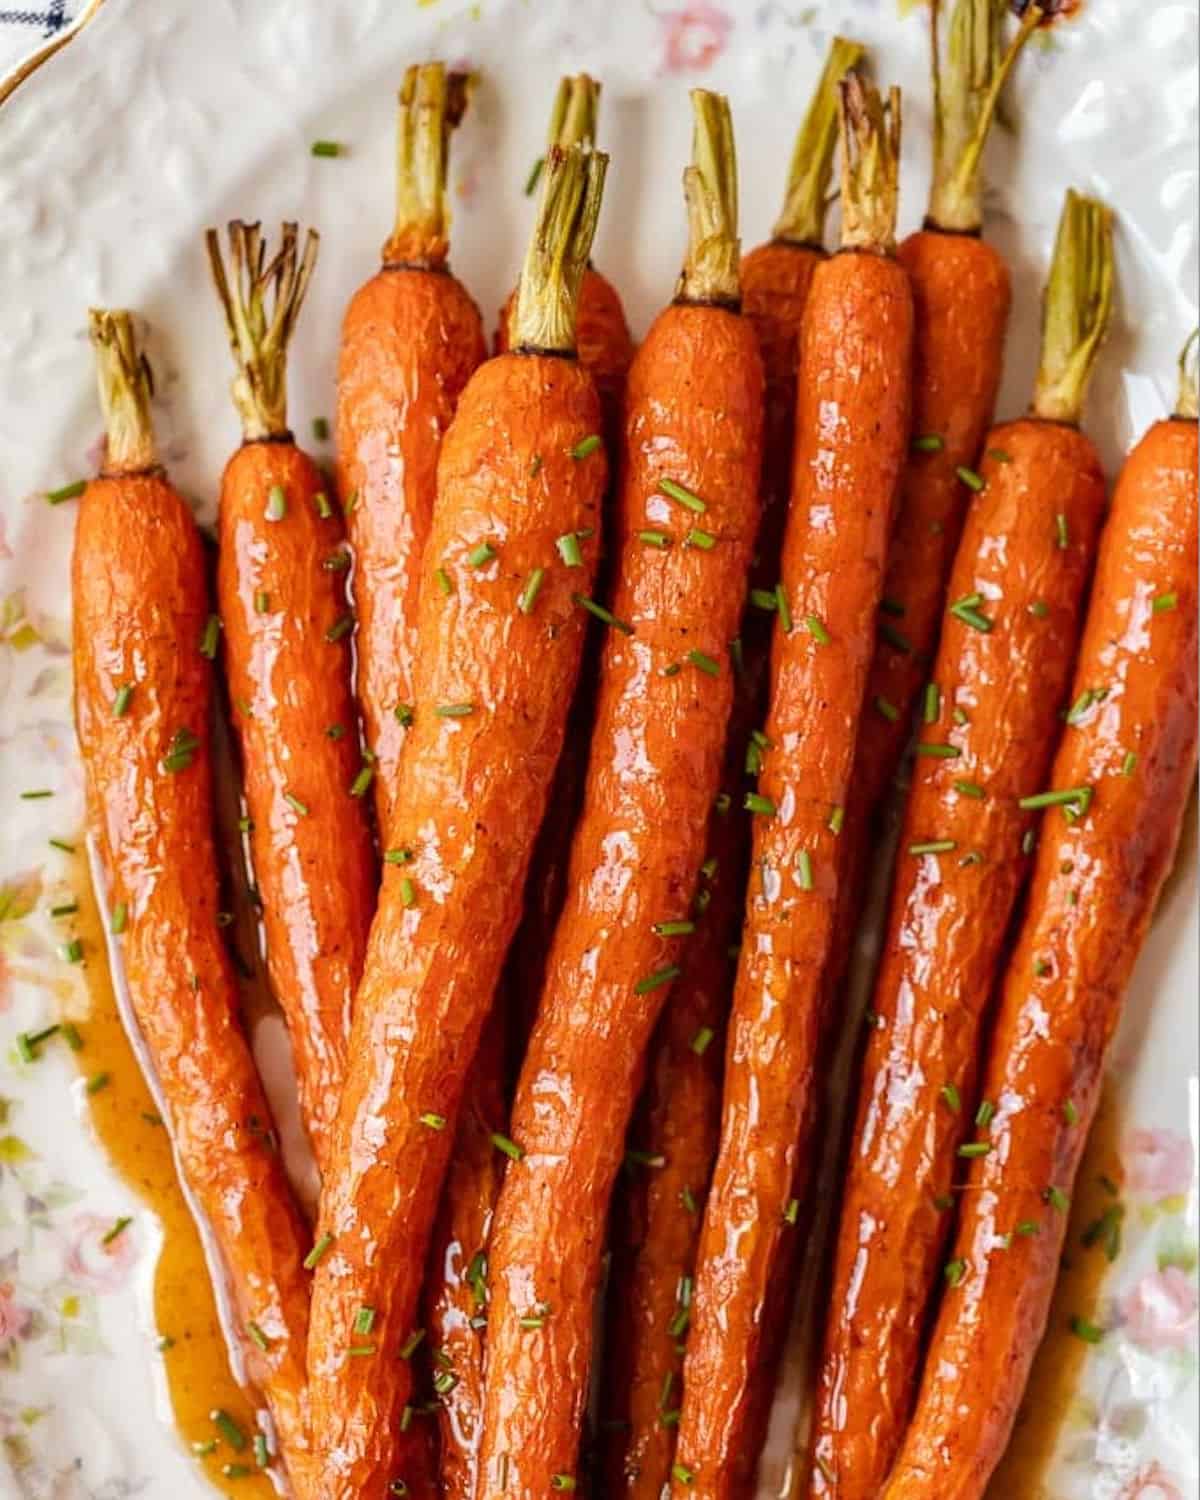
x,y
569,549
533,587
955,1272
656,980
342,626
756,803
929,442
362,781
765,599
118,1229
1129,764
364,1320
1077,797
299,808
837,819
61,844
704,663
791,1213
262,602
804,874
276,503
985,1114
562,1481
1062,534
121,701
228,1429
210,636
181,752
1040,608
702,1040
1056,1198
682,1473
454,710
816,628
257,1336
442,578
1163,603
966,609
98,1081
408,893
933,703
999,455
509,1147
937,752
320,429
1089,1332
70,491
970,478
1070,1113
403,714
327,148
674,929
705,540
481,554
412,1343
933,846
784,608
119,918
535,173
601,613
587,446
970,789
684,497
433,1121
318,1252
397,856
952,1097
889,710
324,509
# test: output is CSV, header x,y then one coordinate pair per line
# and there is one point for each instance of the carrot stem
x,y
548,294
1076,308
966,95
870,135
712,267
259,338
807,201
126,386
1188,405
432,103
576,107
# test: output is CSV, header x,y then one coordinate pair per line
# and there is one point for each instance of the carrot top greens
x,y
1076,308
712,267
966,96
870,136
126,386
432,103
802,221
259,336
548,294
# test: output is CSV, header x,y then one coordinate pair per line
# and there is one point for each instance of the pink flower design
x,y
1153,1483
1160,1312
15,1321
1158,1163
96,1259
694,37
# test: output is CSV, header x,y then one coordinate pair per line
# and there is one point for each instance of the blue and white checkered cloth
x,y
28,25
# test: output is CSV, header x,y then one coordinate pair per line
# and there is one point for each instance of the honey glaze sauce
x,y
125,1118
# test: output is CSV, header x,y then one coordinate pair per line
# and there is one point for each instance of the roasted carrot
x,y
852,416
687,513
1120,787
143,697
1017,598
658,1212
281,590
411,339
511,550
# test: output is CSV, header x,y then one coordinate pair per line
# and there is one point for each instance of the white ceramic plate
x,y
164,116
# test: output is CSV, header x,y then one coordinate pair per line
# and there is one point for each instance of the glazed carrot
x,y
658,1217
411,339
282,596
1120,787
851,436
991,722
512,548
143,696
687,513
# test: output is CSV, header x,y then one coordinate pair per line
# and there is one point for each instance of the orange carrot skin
x,y
680,1116
140,611
950,914
1095,886
456,1284
852,420
474,791
693,416
411,340
280,586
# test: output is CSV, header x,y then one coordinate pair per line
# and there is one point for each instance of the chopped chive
x,y
262,602
1078,797
955,1272
204,1447
895,638
656,980
433,1121
262,1452
999,455
335,732
974,1149
985,1114
723,803
929,442
118,1229
276,503
1028,1228
408,893
403,714
318,1252
480,555
688,1199
320,429
36,795
569,549
67,909
705,540
1089,1332
672,670
791,1213
783,607
454,710
602,614
562,1481
1070,1113
586,446
119,918
970,789
337,562
972,480
294,802
953,1098
61,844
753,761
1040,608
837,820
535,465
327,148
960,716
889,710
533,587
1041,968
1056,1198
943,1202
509,1147
412,1343
933,846
684,497
70,491
765,599
181,752
324,509
98,1081
121,700
967,610
709,868
1081,705
1028,841
674,929
702,1040
442,579
816,628
535,173
653,1159
682,1473
804,874
209,637
397,856
362,781
342,626
1164,603
704,663
1062,534
351,504
756,803
364,1320
257,1336
937,752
